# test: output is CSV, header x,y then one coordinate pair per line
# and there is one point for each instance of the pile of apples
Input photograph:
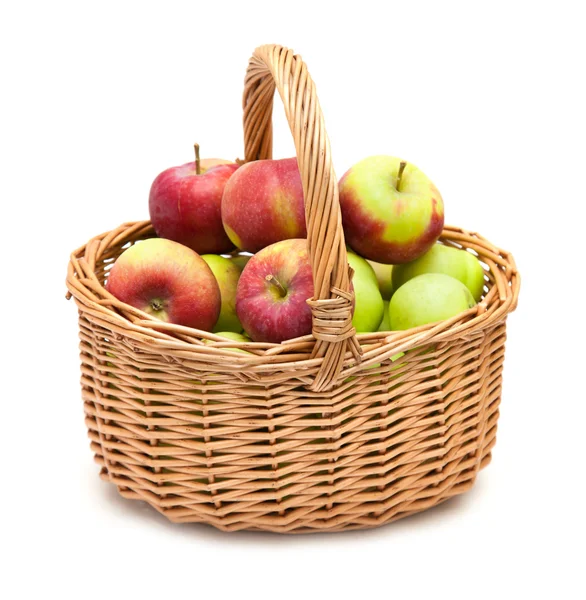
x,y
231,256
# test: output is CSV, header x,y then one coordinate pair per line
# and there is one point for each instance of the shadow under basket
x,y
331,431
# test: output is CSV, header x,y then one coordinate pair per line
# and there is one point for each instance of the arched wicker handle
x,y
271,66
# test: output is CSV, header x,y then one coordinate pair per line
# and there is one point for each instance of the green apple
x,y
227,273
384,276
232,335
385,324
428,298
369,306
391,211
240,260
448,260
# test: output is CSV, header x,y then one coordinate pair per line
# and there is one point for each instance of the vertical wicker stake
x,y
272,66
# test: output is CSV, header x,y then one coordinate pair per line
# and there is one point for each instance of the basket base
x,y
342,518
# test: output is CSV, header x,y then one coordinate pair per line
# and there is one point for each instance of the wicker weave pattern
x,y
312,434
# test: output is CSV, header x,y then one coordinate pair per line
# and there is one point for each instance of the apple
x,y
167,280
384,277
185,204
263,204
232,335
460,264
227,274
272,294
240,259
391,212
426,299
385,324
368,302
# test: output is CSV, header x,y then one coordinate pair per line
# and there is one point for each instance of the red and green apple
x,y
167,280
263,204
391,212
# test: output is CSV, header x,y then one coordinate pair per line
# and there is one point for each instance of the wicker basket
x,y
324,432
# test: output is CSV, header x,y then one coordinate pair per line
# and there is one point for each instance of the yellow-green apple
x,y
169,281
385,324
384,276
426,299
460,264
232,335
391,212
271,299
185,204
226,273
263,204
368,302
240,259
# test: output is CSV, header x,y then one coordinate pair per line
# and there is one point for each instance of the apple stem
x,y
274,281
156,305
197,163
402,166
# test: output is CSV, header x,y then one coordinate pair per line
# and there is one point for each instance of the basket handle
x,y
275,66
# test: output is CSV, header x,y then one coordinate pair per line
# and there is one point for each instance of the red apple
x,y
167,280
263,204
272,292
185,204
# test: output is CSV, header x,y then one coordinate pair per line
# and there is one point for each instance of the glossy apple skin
x,y
428,298
240,260
385,324
232,335
458,263
369,306
384,277
187,208
167,280
265,315
227,273
386,225
263,204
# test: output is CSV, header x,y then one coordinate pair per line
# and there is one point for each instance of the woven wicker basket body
x,y
327,432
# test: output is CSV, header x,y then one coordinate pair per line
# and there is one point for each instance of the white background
x,y
486,98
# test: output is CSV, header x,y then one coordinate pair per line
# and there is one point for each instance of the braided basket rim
x,y
90,294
